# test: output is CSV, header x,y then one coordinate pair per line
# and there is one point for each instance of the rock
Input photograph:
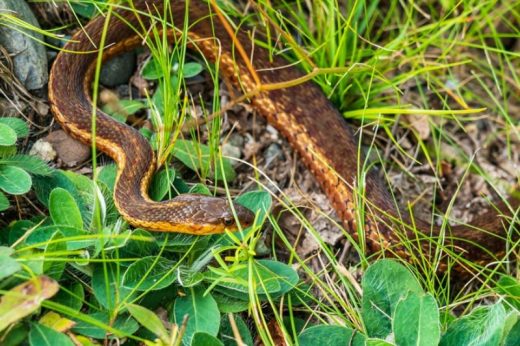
x,y
234,153
43,150
233,148
29,55
118,70
69,151
273,151
236,140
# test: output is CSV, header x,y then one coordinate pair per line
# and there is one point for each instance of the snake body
x,y
302,113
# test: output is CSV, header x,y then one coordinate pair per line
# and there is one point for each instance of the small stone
x,y
29,55
233,152
272,152
69,151
236,140
43,149
118,70
272,131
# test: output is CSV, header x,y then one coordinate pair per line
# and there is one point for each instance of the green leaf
x,y
484,327
227,335
43,187
258,201
6,251
202,312
513,335
200,189
198,158
18,125
377,342
87,9
25,299
360,339
4,202
510,323
121,109
52,268
416,321
125,325
191,69
108,176
150,273
325,335
205,339
149,320
16,335
188,277
141,244
43,234
158,97
8,266
161,184
107,285
227,304
180,242
510,287
17,229
152,70
14,180
28,163
270,278
7,135
64,210
71,295
7,151
130,107
41,335
180,185
97,200
385,283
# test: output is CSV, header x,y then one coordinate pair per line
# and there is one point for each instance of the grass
x,y
417,78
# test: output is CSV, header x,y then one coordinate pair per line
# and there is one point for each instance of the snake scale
x,y
302,113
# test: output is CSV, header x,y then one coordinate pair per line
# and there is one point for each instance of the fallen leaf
x,y
25,298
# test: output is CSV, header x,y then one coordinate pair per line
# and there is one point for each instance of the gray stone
x,y
272,152
70,151
118,70
28,54
232,152
236,140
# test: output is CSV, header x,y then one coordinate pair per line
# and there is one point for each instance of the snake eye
x,y
228,221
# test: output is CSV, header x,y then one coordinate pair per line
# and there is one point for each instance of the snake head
x,y
244,215
210,215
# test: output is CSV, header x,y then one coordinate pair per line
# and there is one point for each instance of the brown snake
x,y
302,113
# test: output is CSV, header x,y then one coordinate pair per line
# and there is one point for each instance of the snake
x,y
301,112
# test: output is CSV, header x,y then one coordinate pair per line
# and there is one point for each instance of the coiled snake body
x,y
302,113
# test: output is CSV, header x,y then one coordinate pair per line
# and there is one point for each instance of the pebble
x,y
70,151
273,151
28,54
236,140
43,149
232,152
233,148
118,70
